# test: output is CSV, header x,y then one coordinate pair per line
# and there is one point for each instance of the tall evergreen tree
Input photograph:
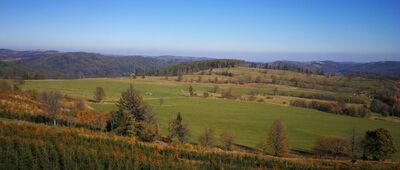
x,y
121,123
134,117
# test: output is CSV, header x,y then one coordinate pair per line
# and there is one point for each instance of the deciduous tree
x,y
378,144
52,101
227,140
277,139
99,94
207,138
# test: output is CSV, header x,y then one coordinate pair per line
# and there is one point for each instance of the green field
x,y
247,121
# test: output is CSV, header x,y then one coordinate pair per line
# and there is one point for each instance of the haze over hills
x,y
55,64
384,68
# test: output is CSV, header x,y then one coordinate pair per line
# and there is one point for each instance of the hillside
x,y
10,70
54,64
238,102
228,102
30,146
68,65
81,64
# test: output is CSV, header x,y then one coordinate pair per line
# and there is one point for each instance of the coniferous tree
x,y
134,117
178,129
121,123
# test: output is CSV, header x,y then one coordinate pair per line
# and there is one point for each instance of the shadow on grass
x,y
302,152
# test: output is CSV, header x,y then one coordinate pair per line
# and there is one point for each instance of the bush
x,y
252,98
356,111
378,144
231,95
331,146
379,107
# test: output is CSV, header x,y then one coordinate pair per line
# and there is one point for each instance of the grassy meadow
x,y
247,121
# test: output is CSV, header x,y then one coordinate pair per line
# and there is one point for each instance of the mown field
x,y
247,121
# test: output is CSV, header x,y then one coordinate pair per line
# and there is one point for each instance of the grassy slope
x,y
248,121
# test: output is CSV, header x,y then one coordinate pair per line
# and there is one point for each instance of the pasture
x,y
248,121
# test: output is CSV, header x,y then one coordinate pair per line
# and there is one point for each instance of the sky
x,y
265,30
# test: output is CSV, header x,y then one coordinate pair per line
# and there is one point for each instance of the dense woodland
x,y
196,66
70,65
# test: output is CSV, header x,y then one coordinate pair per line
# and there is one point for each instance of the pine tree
x,y
134,117
121,123
178,129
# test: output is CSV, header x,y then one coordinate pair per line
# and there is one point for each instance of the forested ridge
x,y
67,65
196,66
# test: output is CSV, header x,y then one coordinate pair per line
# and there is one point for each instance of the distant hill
x,y
12,55
384,68
11,70
56,64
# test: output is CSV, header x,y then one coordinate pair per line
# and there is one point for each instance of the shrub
x,y
331,146
379,107
356,111
205,94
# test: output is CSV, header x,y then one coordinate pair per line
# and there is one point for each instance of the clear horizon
x,y
358,31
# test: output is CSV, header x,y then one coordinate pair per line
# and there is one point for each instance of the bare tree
x,y
227,140
52,101
278,139
207,139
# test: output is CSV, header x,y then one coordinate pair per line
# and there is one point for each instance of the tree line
x,y
195,66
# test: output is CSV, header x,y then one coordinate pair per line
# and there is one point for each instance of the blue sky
x,y
303,30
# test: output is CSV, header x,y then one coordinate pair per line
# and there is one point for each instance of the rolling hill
x,y
69,65
383,68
